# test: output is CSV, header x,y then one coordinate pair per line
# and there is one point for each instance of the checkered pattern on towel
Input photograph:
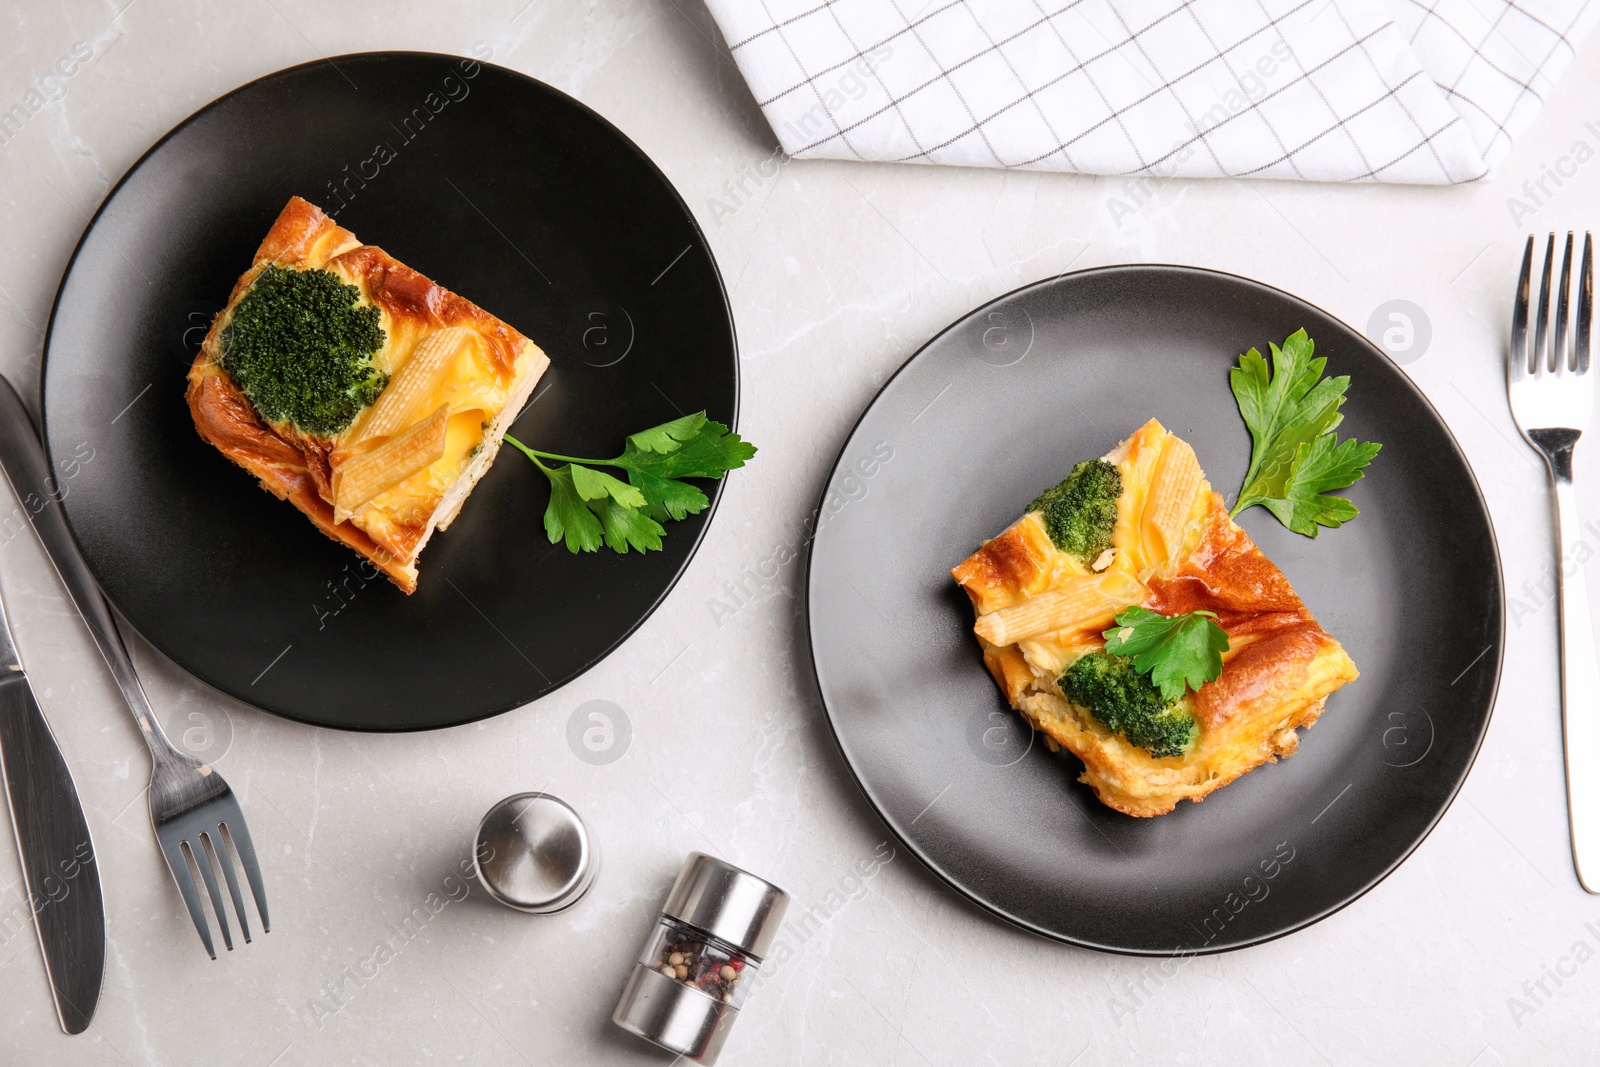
x,y
1422,91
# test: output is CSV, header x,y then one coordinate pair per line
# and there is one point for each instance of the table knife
x,y
60,879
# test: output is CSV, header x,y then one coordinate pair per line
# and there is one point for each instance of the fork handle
x,y
1580,680
23,461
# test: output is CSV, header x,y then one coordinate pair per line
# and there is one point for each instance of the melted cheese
x,y
474,394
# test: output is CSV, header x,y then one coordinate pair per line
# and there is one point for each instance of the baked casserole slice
x,y
363,393
1045,595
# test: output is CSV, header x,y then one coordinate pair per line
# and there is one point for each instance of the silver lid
x,y
676,1016
534,853
727,903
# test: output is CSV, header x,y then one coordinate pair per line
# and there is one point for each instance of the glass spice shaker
x,y
685,991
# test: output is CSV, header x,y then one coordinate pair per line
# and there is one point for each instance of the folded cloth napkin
x,y
1422,91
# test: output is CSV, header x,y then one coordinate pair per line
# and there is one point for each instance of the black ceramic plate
x,y
1000,406
499,188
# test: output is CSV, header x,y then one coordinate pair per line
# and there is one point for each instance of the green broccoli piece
x,y
300,345
1079,514
1123,699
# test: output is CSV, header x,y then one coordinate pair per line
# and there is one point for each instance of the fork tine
x,y
217,852
1541,329
1518,357
178,863
1559,348
204,856
239,834
1581,340
225,861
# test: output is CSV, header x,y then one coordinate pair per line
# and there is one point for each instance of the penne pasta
x,y
1173,487
411,387
363,477
1082,604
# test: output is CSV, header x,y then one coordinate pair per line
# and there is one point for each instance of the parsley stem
x,y
533,454
526,451
1246,499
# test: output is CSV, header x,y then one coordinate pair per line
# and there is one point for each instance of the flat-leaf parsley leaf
x,y
1178,652
1295,457
589,507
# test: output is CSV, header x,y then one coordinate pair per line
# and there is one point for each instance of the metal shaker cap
x,y
728,903
534,853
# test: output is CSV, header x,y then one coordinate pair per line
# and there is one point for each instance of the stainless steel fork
x,y
196,816
1552,397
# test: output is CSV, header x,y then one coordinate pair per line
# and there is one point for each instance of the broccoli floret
x,y
1123,699
300,345
1079,514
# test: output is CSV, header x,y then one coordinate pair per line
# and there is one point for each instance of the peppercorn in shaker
x,y
685,991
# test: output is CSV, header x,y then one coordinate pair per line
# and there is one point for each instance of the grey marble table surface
x,y
1476,951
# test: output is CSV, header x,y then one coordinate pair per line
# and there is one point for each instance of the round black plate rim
x,y
1216,948
715,492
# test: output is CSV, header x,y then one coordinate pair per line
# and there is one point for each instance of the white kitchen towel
x,y
1422,91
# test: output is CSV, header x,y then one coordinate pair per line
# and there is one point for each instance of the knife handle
x,y
22,458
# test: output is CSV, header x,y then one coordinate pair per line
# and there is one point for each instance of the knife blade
x,y
61,881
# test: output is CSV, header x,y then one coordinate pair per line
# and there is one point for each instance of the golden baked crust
x,y
494,370
1279,669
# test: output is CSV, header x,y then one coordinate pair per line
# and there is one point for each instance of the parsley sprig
x,y
589,507
1295,458
1178,652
